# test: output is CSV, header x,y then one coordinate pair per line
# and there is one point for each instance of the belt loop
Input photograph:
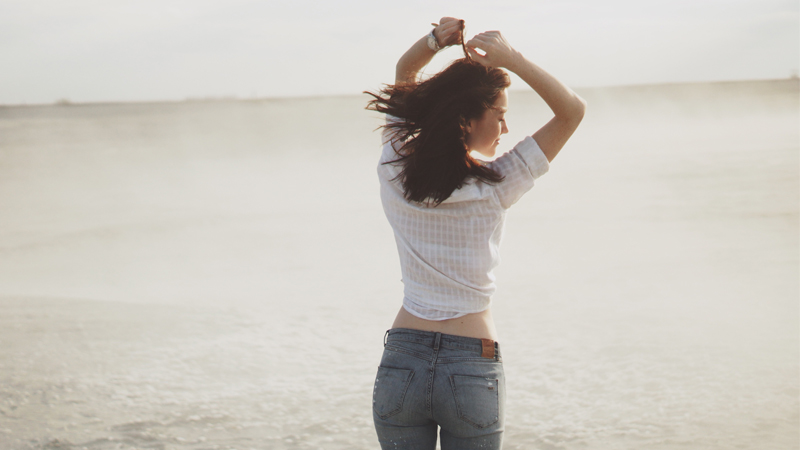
x,y
436,341
385,336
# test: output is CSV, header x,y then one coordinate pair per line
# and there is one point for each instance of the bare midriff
x,y
478,325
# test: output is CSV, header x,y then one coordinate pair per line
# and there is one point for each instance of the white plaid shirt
x,y
448,252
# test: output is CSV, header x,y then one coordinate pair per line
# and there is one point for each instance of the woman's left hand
x,y
497,51
448,32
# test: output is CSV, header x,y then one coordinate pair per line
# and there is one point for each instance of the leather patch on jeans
x,y
487,348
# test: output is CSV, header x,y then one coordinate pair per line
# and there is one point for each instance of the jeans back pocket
x,y
390,389
477,399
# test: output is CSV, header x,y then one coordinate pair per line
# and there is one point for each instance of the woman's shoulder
x,y
519,167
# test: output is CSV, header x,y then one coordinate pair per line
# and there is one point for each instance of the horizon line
x,y
233,98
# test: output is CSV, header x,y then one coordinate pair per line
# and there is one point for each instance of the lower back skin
x,y
478,325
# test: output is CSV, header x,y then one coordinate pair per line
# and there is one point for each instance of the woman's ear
x,y
467,131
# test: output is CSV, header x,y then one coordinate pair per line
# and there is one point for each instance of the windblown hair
x,y
434,114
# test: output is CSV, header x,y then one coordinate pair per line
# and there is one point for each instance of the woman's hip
x,y
429,379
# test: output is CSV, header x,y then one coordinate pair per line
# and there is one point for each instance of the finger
x,y
489,34
477,56
454,33
444,20
451,26
453,39
444,31
446,39
479,51
485,43
478,42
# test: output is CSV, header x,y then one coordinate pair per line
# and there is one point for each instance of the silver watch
x,y
433,44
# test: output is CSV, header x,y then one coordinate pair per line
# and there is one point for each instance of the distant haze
x,y
86,51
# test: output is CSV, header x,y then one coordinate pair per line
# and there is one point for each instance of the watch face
x,y
432,43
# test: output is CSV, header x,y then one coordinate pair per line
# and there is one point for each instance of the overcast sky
x,y
120,50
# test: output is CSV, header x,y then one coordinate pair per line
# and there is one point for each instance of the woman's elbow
x,y
572,110
579,109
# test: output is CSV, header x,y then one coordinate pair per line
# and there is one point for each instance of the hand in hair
x,y
448,32
497,51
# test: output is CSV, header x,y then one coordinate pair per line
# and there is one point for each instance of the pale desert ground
x,y
219,275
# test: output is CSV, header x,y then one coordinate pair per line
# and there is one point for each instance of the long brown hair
x,y
435,159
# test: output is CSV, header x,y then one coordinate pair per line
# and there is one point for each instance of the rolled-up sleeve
x,y
521,167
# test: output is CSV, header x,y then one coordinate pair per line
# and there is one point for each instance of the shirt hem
x,y
458,314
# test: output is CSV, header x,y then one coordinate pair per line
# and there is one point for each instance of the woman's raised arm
x,y
567,106
447,33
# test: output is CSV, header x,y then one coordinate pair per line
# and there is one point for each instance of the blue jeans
x,y
428,380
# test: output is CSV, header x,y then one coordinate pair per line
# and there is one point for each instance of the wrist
x,y
433,41
515,62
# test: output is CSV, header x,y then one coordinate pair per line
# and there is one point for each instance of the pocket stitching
x,y
401,400
458,404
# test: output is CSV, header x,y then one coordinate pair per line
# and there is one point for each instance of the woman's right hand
x,y
448,32
497,51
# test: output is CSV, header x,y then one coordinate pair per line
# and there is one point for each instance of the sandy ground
x,y
219,275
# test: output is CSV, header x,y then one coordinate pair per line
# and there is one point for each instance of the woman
x,y
441,368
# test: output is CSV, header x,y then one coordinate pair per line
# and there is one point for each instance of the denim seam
x,y
444,359
447,342
469,348
424,342
392,348
462,359
429,393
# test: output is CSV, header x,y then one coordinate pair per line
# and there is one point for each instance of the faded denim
x,y
429,382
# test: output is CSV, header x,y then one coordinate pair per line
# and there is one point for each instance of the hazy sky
x,y
173,49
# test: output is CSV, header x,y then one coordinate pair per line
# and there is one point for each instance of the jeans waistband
x,y
487,348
